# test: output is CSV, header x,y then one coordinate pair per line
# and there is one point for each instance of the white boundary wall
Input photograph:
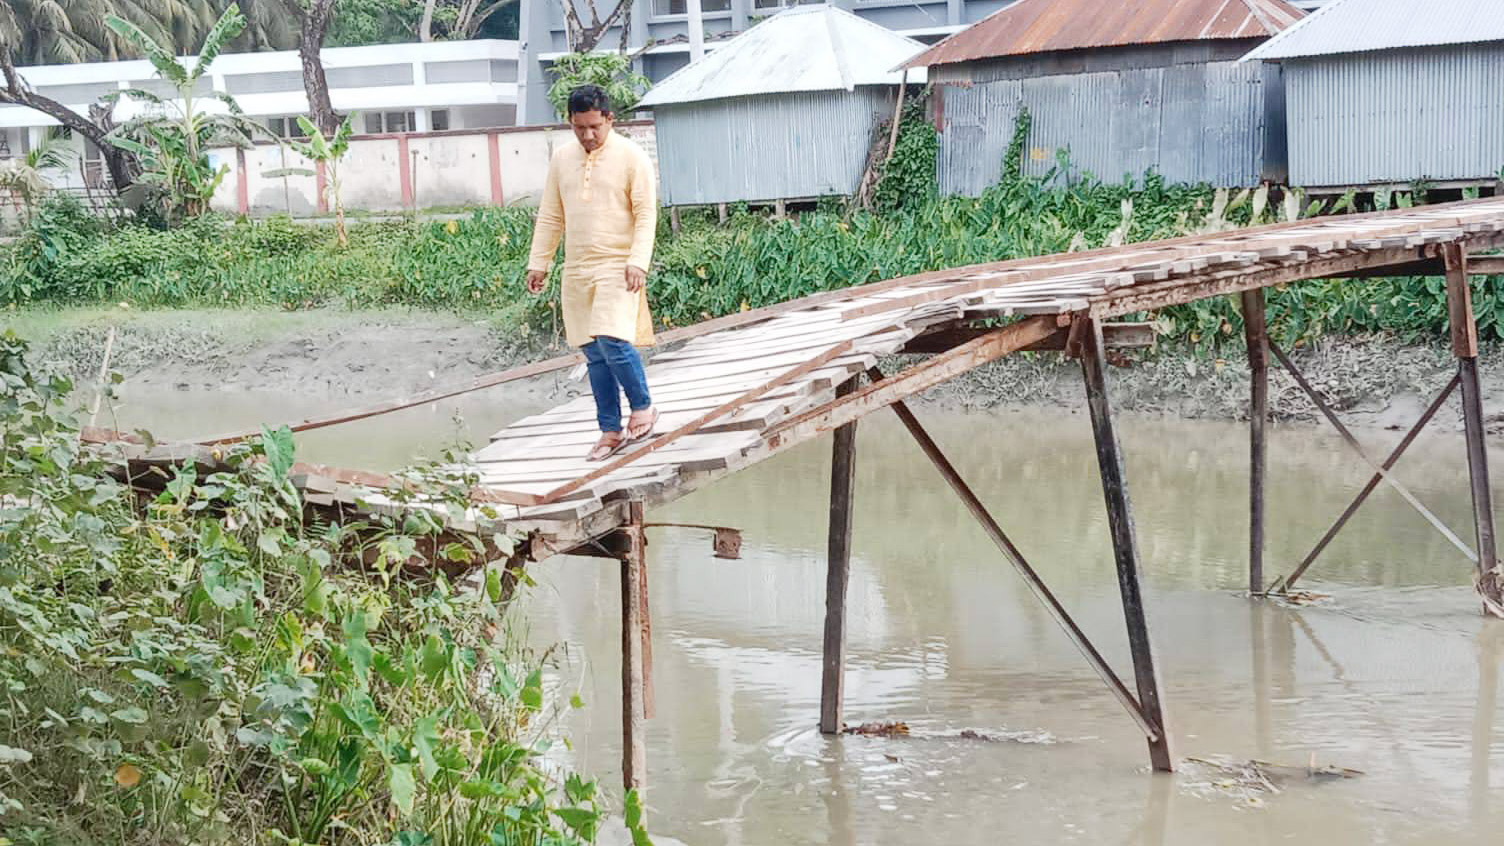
x,y
394,173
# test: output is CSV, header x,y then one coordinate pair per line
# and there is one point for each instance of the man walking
x,y
601,197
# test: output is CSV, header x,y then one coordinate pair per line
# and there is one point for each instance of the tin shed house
x,y
784,111
1124,87
1394,91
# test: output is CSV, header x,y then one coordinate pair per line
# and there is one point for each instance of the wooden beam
x,y
634,751
1117,336
1124,546
1464,330
838,571
1256,335
1485,265
1373,484
1151,728
941,368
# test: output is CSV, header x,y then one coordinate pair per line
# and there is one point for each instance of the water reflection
x,y
1384,679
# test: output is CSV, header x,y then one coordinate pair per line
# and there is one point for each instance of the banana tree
x,y
25,178
173,137
328,152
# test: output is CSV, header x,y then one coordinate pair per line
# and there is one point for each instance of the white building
x,y
396,88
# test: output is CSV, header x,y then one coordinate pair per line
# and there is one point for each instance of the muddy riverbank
x,y
1375,381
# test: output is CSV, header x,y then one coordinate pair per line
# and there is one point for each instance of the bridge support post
x,y
1490,578
838,571
1124,544
633,638
1256,333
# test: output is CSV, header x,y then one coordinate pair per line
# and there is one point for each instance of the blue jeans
x,y
615,367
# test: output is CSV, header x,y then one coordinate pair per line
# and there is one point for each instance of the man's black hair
x,y
589,98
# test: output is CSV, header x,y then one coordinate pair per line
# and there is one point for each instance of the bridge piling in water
x,y
838,571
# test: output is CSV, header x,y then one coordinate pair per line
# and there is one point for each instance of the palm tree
x,y
66,31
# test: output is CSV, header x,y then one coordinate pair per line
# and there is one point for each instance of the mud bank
x,y
1374,381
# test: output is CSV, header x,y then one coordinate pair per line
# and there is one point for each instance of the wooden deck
x,y
761,388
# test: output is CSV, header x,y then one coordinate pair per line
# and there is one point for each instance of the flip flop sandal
x,y
652,424
596,453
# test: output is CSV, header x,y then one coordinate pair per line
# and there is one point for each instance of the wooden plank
x,y
1117,335
632,455
1485,265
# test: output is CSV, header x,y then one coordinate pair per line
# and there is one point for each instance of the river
x,y
1396,675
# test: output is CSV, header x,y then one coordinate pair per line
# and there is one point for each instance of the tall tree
x,y
583,38
65,31
463,19
314,18
14,90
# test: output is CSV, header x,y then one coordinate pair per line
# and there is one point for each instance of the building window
x,y
438,120
782,4
681,7
284,127
379,122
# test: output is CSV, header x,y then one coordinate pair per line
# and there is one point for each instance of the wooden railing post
x,y
838,571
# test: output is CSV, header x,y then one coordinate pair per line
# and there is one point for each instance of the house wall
x,y
767,148
1400,116
442,169
1214,122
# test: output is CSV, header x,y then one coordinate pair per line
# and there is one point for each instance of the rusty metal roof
x,y
1039,26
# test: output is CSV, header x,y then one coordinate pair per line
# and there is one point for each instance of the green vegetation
x,y
611,71
476,264
173,141
215,664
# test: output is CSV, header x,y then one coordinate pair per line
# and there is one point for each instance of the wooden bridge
x,y
740,389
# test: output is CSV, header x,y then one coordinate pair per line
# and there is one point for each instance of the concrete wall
x,y
395,173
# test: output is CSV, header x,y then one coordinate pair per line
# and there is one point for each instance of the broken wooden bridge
x,y
743,388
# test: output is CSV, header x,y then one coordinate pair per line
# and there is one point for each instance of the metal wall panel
x,y
1190,123
751,149
1399,116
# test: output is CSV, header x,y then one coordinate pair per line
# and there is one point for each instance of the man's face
x,y
591,128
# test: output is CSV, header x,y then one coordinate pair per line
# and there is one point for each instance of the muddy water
x,y
1396,676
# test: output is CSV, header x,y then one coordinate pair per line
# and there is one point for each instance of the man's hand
x,y
636,278
537,280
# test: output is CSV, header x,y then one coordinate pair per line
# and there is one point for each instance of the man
x,y
601,198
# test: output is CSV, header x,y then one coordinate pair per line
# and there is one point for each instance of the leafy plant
x,y
209,666
908,177
174,139
328,152
25,178
611,71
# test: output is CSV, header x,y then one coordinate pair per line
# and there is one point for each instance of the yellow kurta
x,y
604,204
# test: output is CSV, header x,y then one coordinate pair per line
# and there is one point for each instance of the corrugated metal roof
x,y
809,48
1039,26
1360,26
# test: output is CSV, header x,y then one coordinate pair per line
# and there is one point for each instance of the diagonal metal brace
x,y
1031,578
1379,469
1284,584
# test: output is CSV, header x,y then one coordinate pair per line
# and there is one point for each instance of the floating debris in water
x,y
901,729
1251,780
1299,598
879,729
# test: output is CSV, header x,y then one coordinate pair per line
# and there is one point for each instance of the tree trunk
x,y
123,166
425,29
315,25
